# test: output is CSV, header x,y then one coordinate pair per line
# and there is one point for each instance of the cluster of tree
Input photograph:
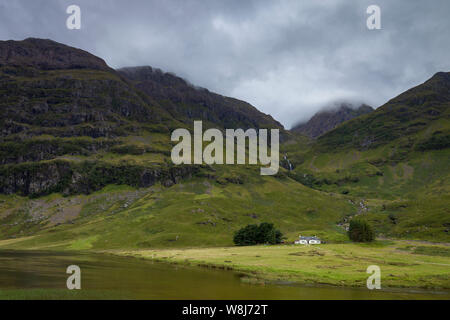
x,y
257,234
360,231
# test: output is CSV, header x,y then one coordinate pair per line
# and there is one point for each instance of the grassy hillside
x,y
396,159
195,212
407,198
419,118
85,162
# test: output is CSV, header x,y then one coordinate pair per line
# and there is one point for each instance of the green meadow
x,y
409,264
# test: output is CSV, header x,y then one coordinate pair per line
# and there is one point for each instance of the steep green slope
x,y
396,158
195,212
406,198
419,117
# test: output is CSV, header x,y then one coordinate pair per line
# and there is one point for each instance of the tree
x,y
253,234
246,236
360,231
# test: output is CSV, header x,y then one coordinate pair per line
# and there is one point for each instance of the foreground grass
x,y
333,264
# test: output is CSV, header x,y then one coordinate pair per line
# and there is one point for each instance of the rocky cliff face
x,y
329,119
71,124
58,102
50,88
186,102
66,177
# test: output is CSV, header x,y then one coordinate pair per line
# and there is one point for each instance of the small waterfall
x,y
288,162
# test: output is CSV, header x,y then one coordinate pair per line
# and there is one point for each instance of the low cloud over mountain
x,y
287,58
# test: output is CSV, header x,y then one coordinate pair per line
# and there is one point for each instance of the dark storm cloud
x,y
288,58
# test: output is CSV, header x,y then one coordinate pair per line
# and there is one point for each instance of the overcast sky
x,y
287,58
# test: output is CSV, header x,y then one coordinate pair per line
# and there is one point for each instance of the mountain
x,y
420,114
326,120
71,124
46,54
85,161
50,88
186,102
393,162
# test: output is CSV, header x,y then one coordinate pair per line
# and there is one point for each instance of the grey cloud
x,y
288,58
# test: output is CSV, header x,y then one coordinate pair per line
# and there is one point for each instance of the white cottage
x,y
308,240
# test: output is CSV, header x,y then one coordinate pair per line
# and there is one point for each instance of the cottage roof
x,y
308,238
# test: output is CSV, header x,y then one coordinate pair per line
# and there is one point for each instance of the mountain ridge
x,y
47,54
71,124
184,100
405,115
327,119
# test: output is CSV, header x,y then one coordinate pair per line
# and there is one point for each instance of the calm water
x,y
140,279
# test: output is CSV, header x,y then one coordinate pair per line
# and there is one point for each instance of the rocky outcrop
x,y
46,149
36,179
39,105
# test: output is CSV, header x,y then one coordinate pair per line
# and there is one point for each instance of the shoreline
x,y
430,274
250,278
405,265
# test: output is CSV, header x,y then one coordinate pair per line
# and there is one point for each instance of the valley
x,y
85,165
